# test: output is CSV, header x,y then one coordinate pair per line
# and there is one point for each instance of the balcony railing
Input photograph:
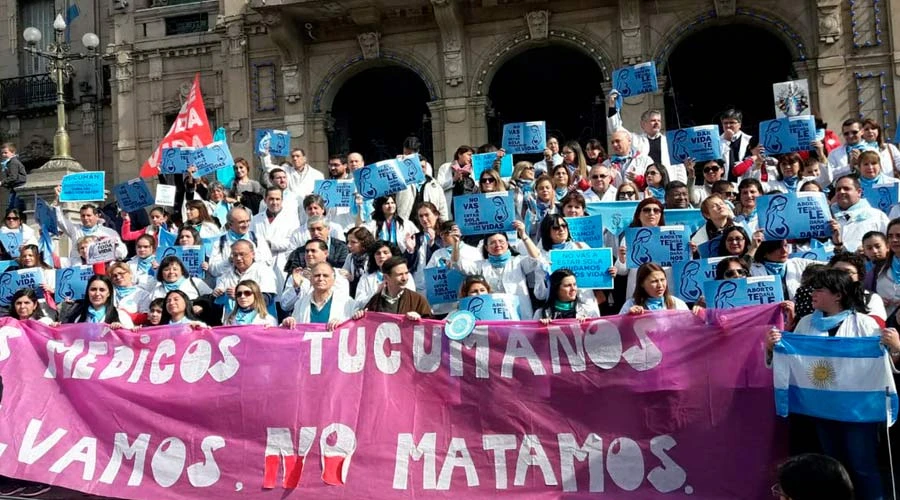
x,y
30,93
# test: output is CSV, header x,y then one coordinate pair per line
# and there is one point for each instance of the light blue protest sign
x,y
12,242
700,143
379,179
45,215
787,135
635,80
411,168
710,248
755,290
335,193
166,239
587,229
484,213
797,215
691,218
71,282
223,175
817,253
133,195
191,256
494,306
212,157
485,161
525,137
12,281
882,196
591,266
664,245
617,215
83,186
688,277
275,142
176,160
442,284
210,243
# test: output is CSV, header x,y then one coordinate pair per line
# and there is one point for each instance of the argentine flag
x,y
847,379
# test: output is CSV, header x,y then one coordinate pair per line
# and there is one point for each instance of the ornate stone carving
x,y
290,76
630,25
830,28
450,22
237,43
369,44
538,24
13,125
124,71
88,118
725,8
38,149
285,36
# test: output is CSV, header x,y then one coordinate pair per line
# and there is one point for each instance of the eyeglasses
x,y
710,170
488,180
559,227
735,273
652,172
12,218
728,194
599,176
736,239
627,194
243,293
651,210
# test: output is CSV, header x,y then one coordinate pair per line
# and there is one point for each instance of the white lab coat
x,y
793,272
76,232
221,253
511,278
278,236
342,307
679,304
852,231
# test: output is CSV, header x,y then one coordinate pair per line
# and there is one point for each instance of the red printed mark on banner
x,y
336,446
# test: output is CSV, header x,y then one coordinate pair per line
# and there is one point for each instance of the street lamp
x,y
57,53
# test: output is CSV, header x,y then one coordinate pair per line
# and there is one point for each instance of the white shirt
x,y
221,253
852,231
76,232
258,272
300,183
277,235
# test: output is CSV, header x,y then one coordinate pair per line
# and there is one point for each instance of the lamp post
x,y
59,57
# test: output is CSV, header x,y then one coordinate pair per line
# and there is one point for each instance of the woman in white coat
x,y
772,259
321,304
504,269
566,300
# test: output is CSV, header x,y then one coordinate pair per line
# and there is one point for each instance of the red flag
x,y
191,129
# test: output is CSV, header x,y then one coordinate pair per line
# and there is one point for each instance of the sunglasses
x,y
650,210
735,273
728,194
599,176
561,226
652,172
709,170
12,218
488,180
627,194
243,293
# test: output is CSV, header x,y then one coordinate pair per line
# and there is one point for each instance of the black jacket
x,y
13,175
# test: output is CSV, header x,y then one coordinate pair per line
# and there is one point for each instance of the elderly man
x,y
298,283
854,214
625,162
239,224
651,140
551,159
90,226
601,185
323,303
319,229
243,266
275,225
301,176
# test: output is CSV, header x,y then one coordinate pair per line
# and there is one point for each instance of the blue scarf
x,y
96,315
389,231
122,292
564,306
658,192
868,184
617,159
234,237
857,212
895,270
791,183
90,230
244,316
144,264
561,193
526,185
775,268
220,212
379,275
655,303
174,286
498,261
824,323
542,208
5,162
182,321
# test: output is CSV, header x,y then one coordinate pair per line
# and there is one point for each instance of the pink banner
x,y
634,407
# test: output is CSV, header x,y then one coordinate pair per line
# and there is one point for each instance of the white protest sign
x,y
101,251
165,195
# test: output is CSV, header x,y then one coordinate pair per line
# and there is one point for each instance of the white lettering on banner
x,y
478,340
625,462
385,332
194,363
518,346
431,361
335,457
6,333
356,362
166,465
315,350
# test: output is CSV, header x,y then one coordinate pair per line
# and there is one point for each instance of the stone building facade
x,y
283,63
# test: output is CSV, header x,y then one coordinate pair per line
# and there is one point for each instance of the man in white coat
x,y
275,225
625,163
854,214
302,177
239,228
843,159
650,141
90,226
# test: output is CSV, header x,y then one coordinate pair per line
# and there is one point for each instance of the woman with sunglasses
x,y
840,311
657,177
772,258
628,191
712,172
652,294
250,306
650,212
566,300
15,223
503,267
490,182
562,181
718,217
731,268
128,297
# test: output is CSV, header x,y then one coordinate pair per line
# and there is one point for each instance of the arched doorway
x,y
375,110
714,69
557,84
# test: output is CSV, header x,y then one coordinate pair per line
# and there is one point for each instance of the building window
x,y
107,82
191,23
264,90
40,14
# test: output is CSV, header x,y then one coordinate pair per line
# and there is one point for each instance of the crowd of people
x,y
276,254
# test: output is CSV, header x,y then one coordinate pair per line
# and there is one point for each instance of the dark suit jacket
x,y
14,175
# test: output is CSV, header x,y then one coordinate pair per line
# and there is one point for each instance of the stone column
x,y
318,142
834,80
288,40
439,146
236,87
